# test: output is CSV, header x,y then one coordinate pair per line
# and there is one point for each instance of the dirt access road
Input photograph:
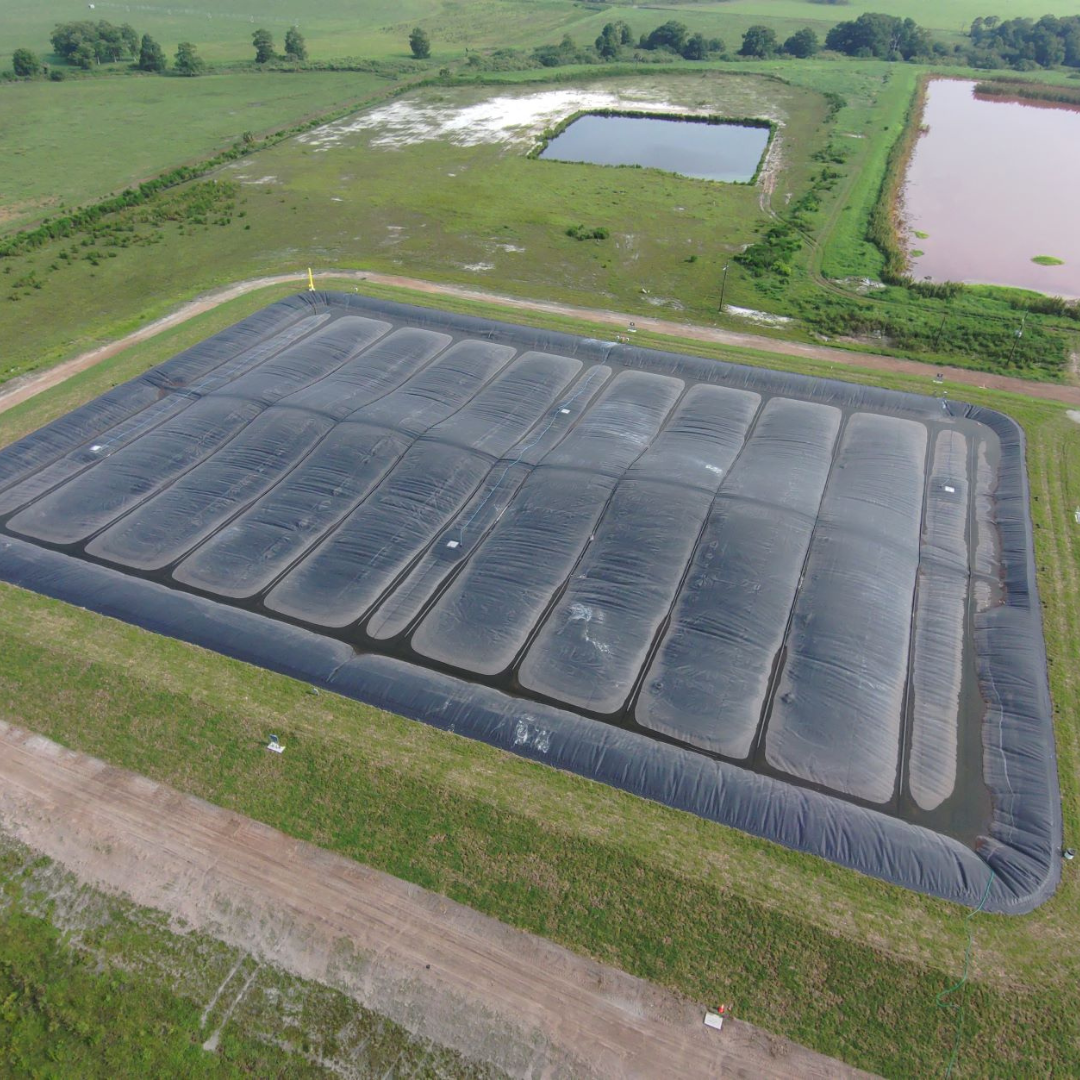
x,y
19,390
440,969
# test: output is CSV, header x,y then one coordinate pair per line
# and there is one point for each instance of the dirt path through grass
x,y
438,968
19,390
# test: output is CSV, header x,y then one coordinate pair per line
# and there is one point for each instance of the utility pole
x,y
1016,340
723,286
937,336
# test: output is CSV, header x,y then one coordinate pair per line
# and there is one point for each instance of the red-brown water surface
x,y
994,183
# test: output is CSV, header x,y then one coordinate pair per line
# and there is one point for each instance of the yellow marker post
x,y
310,280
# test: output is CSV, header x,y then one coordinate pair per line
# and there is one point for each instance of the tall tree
x,y
803,44
886,37
67,37
607,44
111,43
420,44
759,41
151,55
264,46
188,60
295,46
696,48
107,43
84,56
130,39
25,63
670,35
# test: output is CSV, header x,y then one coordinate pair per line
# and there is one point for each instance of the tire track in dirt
x,y
441,970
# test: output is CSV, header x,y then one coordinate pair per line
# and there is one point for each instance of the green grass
x,y
332,28
1048,260
869,126
380,28
483,215
92,985
58,152
842,963
948,18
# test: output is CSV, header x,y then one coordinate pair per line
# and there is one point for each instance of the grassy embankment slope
x,y
869,145
841,963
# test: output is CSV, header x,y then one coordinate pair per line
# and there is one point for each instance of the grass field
x,y
379,28
152,125
69,954
844,964
480,214
954,16
332,28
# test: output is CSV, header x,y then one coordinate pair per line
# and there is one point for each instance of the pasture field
x,y
380,28
332,28
457,203
841,963
123,131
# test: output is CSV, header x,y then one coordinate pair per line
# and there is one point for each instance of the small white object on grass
x,y
275,745
714,1020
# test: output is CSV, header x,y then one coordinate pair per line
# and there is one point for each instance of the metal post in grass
x,y
937,336
723,286
1016,340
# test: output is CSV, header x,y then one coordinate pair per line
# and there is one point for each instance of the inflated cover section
x,y
802,608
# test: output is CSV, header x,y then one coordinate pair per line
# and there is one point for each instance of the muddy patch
x,y
519,119
761,318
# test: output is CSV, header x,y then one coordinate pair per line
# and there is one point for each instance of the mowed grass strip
x,y
840,962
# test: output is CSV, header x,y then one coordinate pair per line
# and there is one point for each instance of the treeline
x,y
882,37
668,41
1025,44
85,44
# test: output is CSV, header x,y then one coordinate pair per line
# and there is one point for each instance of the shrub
x,y
579,232
25,63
